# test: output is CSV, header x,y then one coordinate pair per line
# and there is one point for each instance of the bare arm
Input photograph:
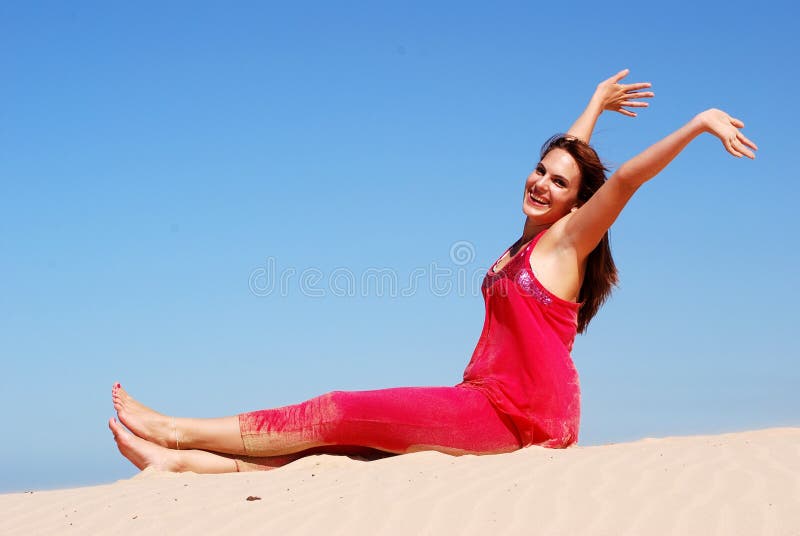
x,y
587,225
610,95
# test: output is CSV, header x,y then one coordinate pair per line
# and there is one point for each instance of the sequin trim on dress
x,y
530,286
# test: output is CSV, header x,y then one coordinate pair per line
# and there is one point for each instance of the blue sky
x,y
156,157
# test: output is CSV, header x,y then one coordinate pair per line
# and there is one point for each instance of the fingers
x,y
631,94
743,139
741,149
737,148
638,85
744,150
726,128
640,94
620,75
739,141
616,95
730,148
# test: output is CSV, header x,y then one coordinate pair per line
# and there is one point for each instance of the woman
x,y
520,387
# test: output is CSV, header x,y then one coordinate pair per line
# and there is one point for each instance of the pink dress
x,y
522,360
520,388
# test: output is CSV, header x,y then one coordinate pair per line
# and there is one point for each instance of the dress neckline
x,y
525,250
493,270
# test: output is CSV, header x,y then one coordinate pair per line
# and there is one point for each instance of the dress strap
x,y
536,238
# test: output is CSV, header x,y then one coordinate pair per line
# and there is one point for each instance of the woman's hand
x,y
611,95
726,128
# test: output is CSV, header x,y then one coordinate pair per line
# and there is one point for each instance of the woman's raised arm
x,y
586,226
652,160
610,95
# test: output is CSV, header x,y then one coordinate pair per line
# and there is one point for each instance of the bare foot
x,y
141,453
143,421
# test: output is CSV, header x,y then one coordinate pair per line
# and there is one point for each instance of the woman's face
x,y
551,190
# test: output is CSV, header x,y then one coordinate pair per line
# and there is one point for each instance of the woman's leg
x,y
220,435
144,454
455,420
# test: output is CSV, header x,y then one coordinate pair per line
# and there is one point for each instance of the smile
x,y
537,200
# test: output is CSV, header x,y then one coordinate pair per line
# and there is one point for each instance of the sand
x,y
744,483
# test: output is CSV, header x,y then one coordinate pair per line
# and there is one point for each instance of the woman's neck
x,y
531,229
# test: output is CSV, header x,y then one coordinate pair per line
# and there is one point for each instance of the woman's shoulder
x,y
555,263
553,239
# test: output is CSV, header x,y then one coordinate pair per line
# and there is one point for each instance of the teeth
x,y
538,199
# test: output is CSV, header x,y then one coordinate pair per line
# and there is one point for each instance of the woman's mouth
x,y
536,200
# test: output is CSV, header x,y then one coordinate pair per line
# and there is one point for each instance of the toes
x,y
127,445
124,397
119,397
115,394
116,429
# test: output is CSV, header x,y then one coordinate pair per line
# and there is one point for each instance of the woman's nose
x,y
542,182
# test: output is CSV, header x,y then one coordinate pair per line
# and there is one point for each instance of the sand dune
x,y
744,483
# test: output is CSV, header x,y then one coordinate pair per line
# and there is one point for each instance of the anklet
x,y
175,431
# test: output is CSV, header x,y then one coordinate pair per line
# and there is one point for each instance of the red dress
x,y
520,388
522,360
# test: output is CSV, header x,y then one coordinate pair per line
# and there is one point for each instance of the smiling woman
x,y
567,175
520,387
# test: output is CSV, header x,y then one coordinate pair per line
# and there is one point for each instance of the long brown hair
x,y
601,272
